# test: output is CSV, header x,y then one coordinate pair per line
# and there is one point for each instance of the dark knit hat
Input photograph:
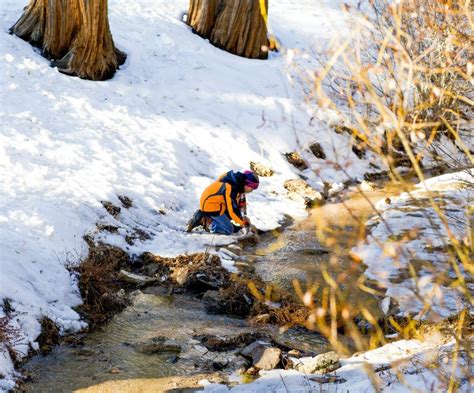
x,y
251,179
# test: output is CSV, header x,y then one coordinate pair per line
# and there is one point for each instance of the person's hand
x,y
246,221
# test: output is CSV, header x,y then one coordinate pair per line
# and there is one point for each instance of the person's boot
x,y
195,220
206,223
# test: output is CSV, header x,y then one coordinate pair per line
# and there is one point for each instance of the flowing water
x,y
324,238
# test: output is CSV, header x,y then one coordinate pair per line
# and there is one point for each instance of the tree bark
x,y
74,34
237,26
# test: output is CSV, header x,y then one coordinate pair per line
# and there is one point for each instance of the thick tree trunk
x,y
237,26
75,34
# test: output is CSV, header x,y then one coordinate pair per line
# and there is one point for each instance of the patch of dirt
x,y
317,150
127,203
261,170
296,160
299,189
107,227
113,210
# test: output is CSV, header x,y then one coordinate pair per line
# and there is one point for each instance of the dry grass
x,y
99,284
402,87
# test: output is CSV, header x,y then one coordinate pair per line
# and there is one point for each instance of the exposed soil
x,y
296,160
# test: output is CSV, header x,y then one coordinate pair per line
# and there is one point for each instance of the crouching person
x,y
223,206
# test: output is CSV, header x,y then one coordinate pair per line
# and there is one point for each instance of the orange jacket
x,y
217,200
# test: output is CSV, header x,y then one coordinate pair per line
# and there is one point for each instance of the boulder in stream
x,y
157,344
226,343
264,357
320,364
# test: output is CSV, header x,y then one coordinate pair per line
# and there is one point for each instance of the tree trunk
x,y
237,26
75,34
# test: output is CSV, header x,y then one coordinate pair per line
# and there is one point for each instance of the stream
x,y
324,238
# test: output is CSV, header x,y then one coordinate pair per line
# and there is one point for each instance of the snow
x,y
179,113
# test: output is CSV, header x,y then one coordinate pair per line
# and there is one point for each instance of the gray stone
x,y
157,344
240,364
135,279
249,349
235,249
320,364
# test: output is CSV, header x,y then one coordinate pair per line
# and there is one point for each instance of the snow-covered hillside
x,y
179,113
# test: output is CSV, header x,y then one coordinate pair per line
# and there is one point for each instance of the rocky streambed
x,y
188,315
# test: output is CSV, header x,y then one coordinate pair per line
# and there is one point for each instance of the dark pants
x,y
222,225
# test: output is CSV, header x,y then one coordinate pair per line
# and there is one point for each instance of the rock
x,y
300,190
115,370
317,150
266,358
235,249
211,296
154,270
249,349
263,356
261,170
127,203
296,160
294,353
320,364
157,344
252,371
135,279
226,343
226,253
240,364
